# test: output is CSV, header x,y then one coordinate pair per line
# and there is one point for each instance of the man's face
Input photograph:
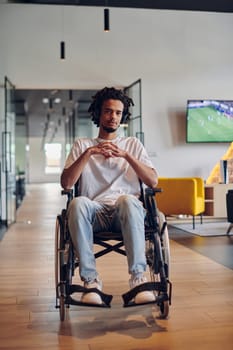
x,y
111,115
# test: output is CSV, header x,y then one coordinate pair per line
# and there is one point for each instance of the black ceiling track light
x,y
62,50
106,20
62,42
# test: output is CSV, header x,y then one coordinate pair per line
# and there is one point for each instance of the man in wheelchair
x,y
108,169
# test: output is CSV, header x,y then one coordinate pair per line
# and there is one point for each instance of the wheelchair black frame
x,y
155,259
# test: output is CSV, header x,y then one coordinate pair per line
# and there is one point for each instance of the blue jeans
x,y
127,215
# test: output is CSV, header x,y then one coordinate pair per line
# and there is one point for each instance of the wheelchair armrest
x,y
68,193
152,191
151,206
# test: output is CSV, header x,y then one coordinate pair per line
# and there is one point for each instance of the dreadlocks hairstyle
x,y
106,94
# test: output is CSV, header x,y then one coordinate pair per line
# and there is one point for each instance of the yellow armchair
x,y
184,195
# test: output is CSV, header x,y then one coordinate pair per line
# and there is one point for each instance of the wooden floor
x,y
201,315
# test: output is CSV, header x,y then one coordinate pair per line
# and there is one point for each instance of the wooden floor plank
x,y
201,315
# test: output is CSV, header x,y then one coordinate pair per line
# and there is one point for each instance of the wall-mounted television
x,y
209,121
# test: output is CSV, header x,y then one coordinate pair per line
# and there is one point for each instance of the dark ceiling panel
x,y
189,5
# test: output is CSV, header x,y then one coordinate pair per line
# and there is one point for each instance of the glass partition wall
x,y
8,157
134,127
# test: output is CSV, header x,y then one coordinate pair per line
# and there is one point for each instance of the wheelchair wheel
x,y
60,274
166,245
154,265
164,305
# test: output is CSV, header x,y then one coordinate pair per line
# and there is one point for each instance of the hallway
x,y
201,314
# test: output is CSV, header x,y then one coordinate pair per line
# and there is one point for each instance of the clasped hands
x,y
109,149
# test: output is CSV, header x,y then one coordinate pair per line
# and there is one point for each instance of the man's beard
x,y
109,130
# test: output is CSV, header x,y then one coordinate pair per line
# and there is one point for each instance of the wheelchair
x,y
157,257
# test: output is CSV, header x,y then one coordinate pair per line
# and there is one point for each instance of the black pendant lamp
x,y
62,50
106,20
62,42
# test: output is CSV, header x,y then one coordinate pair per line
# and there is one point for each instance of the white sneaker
x,y
142,297
92,298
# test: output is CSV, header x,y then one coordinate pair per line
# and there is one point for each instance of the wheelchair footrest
x,y
128,297
106,298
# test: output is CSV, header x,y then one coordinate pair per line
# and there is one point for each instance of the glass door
x,y
8,163
135,123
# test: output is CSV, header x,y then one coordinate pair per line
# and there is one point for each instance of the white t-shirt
x,y
105,179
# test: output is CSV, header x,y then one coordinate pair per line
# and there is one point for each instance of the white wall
x,y
179,55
